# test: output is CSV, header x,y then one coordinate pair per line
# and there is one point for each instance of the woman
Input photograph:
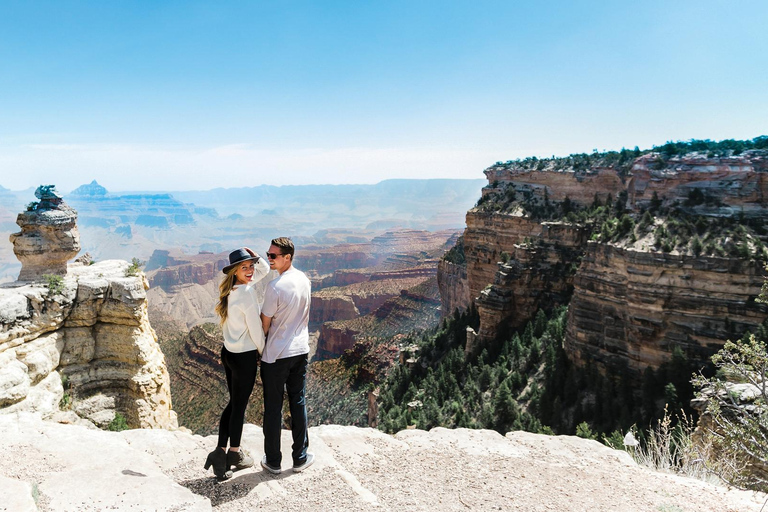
x,y
239,311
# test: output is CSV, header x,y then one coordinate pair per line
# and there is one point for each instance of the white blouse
x,y
242,329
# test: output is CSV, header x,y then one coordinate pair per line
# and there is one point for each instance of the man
x,y
285,318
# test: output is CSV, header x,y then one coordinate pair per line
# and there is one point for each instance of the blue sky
x,y
151,95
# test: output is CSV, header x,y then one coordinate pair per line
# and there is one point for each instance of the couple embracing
x,y
277,334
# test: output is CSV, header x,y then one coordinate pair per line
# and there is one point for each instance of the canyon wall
x,y
736,185
454,287
415,305
632,303
630,308
538,274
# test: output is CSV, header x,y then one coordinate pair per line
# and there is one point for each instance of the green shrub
x,y
456,253
615,440
696,246
134,268
54,283
584,431
118,423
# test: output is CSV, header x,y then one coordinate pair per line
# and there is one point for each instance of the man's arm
x,y
265,322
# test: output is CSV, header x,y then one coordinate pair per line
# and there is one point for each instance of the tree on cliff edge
x,y
736,414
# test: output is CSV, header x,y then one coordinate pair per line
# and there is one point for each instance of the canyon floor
x,y
51,466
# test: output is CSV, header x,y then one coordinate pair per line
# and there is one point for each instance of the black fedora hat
x,y
238,256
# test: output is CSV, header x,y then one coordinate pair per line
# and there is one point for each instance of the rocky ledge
x,y
83,343
355,469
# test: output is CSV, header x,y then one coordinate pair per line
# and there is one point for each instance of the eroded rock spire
x,y
48,236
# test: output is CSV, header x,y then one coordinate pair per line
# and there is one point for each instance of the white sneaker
x,y
307,463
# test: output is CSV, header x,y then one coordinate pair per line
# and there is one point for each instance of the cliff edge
x,y
355,469
84,345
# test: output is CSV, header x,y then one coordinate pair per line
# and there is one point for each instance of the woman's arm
x,y
260,266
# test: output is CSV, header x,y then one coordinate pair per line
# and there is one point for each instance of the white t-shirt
x,y
242,329
286,301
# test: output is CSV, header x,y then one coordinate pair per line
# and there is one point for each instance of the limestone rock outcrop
x,y
87,347
355,469
48,238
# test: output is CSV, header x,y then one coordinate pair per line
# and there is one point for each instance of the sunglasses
x,y
272,255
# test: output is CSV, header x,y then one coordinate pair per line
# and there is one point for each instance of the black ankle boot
x,y
239,459
218,459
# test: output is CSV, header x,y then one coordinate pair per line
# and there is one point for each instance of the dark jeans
x,y
289,374
241,376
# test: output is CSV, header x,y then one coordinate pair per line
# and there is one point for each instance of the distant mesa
x,y
235,216
124,231
92,189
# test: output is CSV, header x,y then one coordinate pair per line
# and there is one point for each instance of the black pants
x,y
289,374
241,376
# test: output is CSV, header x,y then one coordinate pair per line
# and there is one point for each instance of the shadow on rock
x,y
235,488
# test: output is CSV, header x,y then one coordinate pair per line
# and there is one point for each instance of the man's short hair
x,y
285,244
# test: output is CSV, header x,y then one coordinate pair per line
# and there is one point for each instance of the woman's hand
x,y
251,252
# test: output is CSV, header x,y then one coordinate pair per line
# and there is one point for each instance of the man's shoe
x,y
239,459
308,462
271,469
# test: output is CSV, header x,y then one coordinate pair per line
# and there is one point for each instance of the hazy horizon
x,y
138,191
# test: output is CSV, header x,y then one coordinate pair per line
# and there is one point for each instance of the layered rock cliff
x,y
638,290
631,308
87,346
48,236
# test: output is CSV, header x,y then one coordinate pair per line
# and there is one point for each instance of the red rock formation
x,y
579,186
738,183
346,303
188,273
336,338
324,308
325,260
343,277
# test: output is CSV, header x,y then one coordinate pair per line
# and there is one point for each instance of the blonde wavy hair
x,y
224,289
